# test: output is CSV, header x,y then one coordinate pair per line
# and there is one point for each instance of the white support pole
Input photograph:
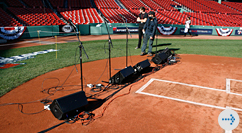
x,y
228,85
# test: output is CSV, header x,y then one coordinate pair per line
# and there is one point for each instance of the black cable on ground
x,y
86,118
45,100
20,105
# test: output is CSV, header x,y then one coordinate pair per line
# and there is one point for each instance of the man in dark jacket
x,y
141,19
149,33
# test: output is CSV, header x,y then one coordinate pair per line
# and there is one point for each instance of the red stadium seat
x,y
30,15
204,12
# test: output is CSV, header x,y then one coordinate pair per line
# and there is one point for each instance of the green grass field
x,y
13,77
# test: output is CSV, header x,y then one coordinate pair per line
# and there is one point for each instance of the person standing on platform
x,y
141,19
187,27
149,33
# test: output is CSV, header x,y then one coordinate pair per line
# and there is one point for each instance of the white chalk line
x,y
181,100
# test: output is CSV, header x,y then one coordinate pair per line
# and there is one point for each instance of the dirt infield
x,y
134,112
61,39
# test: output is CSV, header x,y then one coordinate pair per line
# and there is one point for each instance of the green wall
x,y
203,27
84,29
44,31
102,30
181,26
91,29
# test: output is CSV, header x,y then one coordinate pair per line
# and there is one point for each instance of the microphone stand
x,y
81,47
109,47
127,33
156,41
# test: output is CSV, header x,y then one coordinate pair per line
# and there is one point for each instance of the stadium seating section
x,y
7,20
194,6
113,15
36,16
165,4
14,3
39,12
106,4
79,3
57,3
133,4
81,16
33,3
168,17
234,5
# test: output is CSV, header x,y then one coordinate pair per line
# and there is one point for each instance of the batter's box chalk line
x,y
228,131
140,91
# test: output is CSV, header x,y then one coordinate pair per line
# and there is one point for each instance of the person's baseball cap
x,y
152,13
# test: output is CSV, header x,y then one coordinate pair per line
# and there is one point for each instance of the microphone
x,y
103,17
70,21
110,41
64,20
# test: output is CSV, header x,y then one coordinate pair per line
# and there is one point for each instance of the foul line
x,y
181,100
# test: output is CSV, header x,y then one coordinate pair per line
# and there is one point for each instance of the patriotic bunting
x,y
224,32
11,33
167,30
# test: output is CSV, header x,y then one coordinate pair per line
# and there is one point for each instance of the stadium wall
x,y
92,29
202,27
54,30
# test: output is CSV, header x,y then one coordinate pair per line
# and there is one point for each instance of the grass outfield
x,y
13,77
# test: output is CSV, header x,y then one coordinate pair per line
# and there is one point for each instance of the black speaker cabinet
x,y
141,65
69,106
161,57
167,51
122,76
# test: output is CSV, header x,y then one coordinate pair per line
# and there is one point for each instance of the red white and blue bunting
x,y
12,61
11,33
167,30
224,32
